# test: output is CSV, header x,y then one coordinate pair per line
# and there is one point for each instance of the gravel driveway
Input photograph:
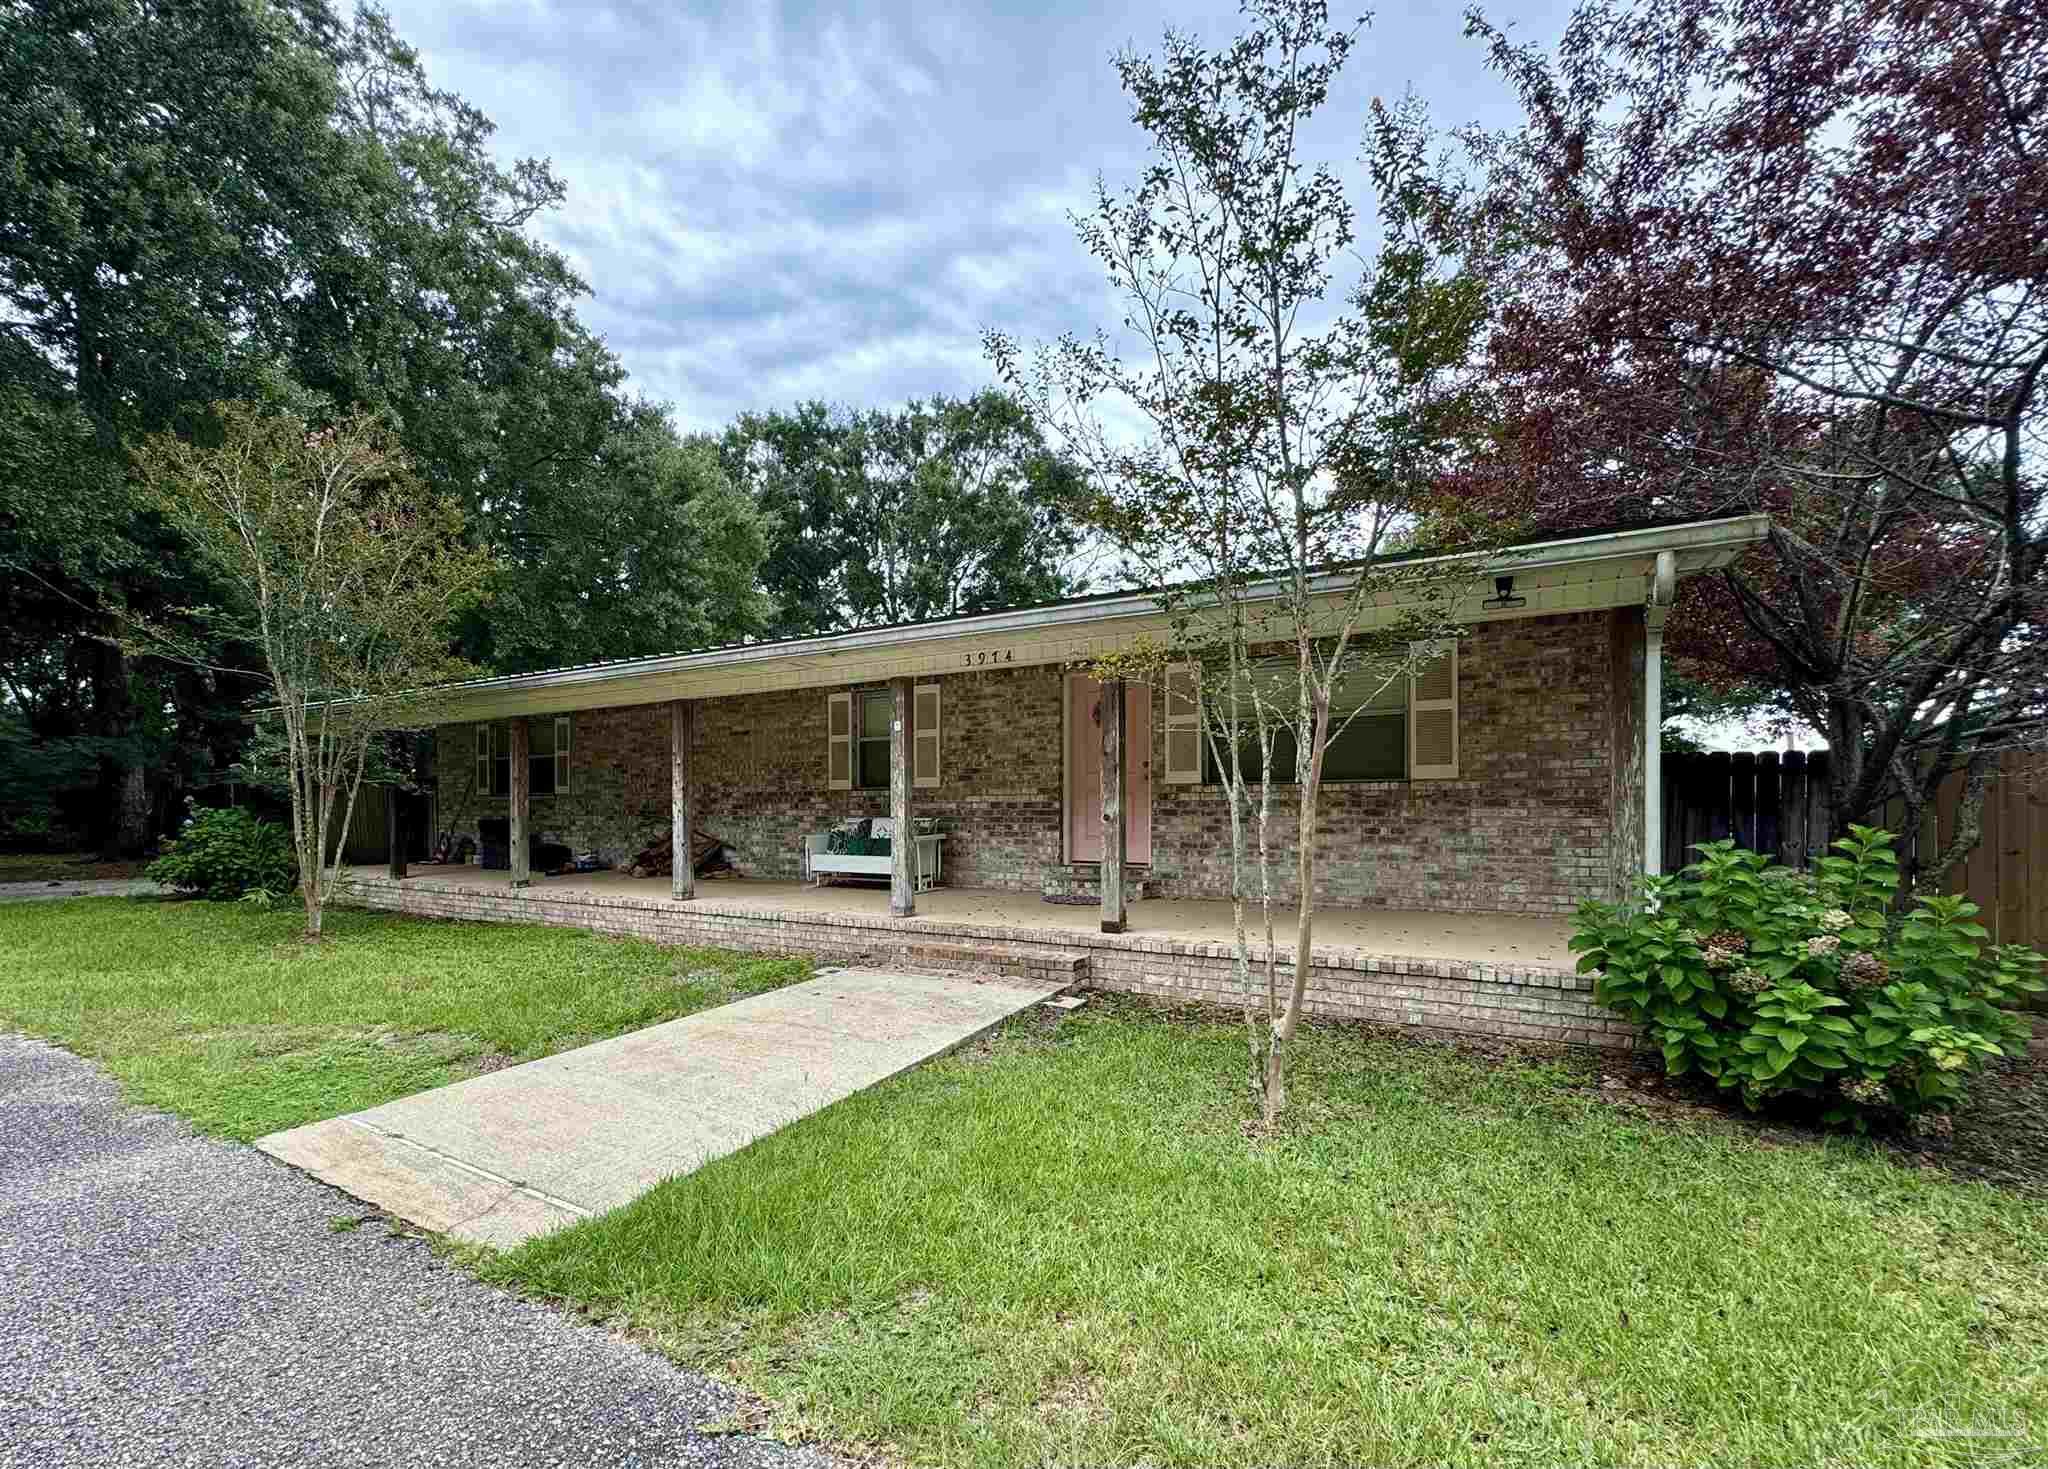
x,y
169,1299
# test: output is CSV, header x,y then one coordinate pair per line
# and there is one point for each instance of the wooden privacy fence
x,y
1777,804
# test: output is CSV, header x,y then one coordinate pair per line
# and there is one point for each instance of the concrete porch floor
x,y
1492,938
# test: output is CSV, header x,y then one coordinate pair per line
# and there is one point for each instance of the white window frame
x,y
857,731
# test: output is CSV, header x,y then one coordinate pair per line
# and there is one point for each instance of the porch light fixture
x,y
1504,595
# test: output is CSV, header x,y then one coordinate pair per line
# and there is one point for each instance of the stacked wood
x,y
654,859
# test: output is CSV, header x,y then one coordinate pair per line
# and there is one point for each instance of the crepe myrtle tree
x,y
1269,439
1790,257
345,569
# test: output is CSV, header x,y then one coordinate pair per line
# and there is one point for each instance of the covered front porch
x,y
1505,976
1493,938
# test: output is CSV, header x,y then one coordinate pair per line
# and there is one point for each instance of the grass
x,y
1068,1247
219,1012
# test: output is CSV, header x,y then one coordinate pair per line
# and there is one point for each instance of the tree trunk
x,y
1926,878
124,783
130,836
1275,1088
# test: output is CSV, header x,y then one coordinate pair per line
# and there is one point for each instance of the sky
x,y
779,203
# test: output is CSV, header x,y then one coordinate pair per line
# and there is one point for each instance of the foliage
x,y
215,201
216,1014
1056,1248
1773,983
655,548
344,570
227,853
1294,433
1787,258
948,505
35,777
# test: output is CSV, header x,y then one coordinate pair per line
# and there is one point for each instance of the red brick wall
x,y
1526,1002
1526,828
1529,827
758,764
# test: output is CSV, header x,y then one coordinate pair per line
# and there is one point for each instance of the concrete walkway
x,y
501,1158
112,887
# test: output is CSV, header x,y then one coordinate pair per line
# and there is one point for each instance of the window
x,y
871,754
542,763
1368,735
547,758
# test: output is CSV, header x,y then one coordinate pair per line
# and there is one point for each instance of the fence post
x,y
1817,768
1680,783
1770,809
1742,798
1792,809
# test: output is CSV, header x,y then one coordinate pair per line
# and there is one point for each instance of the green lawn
x,y
218,1011
1065,1247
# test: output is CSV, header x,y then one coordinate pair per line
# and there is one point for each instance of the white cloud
x,y
772,202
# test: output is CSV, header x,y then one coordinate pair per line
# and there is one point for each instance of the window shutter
x,y
1183,724
561,753
839,742
1433,711
924,760
483,760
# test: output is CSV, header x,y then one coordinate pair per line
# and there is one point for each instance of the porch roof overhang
x,y
1569,574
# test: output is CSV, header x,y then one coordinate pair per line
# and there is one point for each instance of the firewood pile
x,y
657,858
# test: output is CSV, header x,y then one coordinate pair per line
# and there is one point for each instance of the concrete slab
x,y
503,1157
87,887
1489,938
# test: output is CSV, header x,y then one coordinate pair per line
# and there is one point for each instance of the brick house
x,y
1513,774
1520,788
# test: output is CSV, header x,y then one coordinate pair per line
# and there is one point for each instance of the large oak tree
x,y
204,201
946,505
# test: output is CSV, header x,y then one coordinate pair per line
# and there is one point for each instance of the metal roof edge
x,y
1729,533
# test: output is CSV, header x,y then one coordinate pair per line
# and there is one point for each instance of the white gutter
x,y
1728,535
1663,590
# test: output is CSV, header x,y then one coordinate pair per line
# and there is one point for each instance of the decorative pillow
x,y
836,841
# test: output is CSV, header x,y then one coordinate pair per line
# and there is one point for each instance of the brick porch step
x,y
1056,966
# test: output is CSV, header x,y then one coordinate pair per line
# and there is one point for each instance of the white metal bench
x,y
819,864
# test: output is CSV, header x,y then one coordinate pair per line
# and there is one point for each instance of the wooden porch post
x,y
520,778
394,832
1113,805
684,882
903,845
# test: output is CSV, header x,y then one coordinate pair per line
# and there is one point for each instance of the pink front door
x,y
1084,771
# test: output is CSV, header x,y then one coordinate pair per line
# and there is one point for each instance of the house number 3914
x,y
989,655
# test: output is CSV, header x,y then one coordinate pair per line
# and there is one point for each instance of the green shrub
x,y
226,854
1772,981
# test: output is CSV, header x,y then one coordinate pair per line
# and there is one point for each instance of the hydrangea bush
x,y
1774,982
225,854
